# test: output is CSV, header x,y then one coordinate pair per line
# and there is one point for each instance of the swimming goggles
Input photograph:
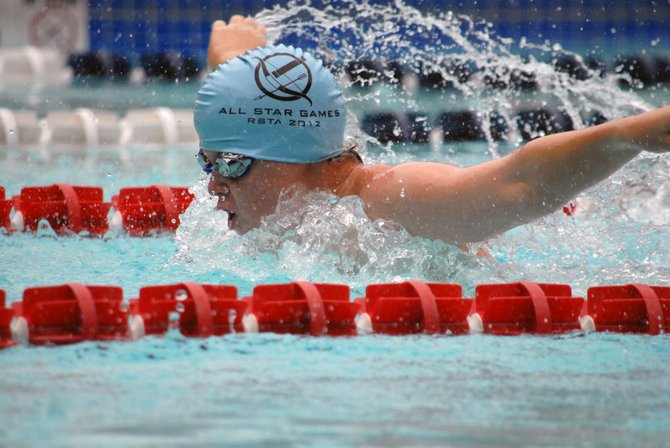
x,y
227,164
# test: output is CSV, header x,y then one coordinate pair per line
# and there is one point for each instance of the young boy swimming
x,y
272,117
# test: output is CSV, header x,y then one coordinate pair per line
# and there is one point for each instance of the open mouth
x,y
232,216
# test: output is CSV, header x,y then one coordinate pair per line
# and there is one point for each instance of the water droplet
x,y
173,319
181,295
44,229
179,307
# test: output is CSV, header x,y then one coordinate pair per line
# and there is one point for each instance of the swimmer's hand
x,y
228,41
649,131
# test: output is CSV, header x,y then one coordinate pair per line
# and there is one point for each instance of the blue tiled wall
x,y
608,26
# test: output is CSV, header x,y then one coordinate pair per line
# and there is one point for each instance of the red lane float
x,y
525,307
144,210
67,208
5,210
632,308
414,307
73,312
301,308
6,316
196,310
70,313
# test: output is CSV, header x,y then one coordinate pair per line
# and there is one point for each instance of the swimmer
x,y
272,117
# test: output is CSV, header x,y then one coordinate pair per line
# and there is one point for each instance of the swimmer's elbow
x,y
529,201
514,204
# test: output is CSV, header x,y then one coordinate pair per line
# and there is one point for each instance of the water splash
x,y
318,238
616,235
484,69
325,239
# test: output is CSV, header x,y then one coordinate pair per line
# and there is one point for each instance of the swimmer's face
x,y
255,195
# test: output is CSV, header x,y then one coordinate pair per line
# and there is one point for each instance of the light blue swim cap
x,y
274,103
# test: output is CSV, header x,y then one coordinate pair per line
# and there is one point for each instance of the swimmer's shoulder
x,y
360,178
381,177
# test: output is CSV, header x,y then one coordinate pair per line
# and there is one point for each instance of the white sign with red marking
x,y
58,24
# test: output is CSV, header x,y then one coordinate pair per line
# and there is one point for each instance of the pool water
x,y
279,390
578,389
271,390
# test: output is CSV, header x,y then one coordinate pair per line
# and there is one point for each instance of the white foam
x,y
587,324
250,323
363,324
20,331
18,221
136,329
475,323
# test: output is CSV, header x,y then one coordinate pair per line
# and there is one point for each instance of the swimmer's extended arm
x,y
471,204
231,40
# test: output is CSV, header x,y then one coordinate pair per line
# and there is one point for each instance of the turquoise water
x,y
587,390
269,390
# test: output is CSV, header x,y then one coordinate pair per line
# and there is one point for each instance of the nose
x,y
218,188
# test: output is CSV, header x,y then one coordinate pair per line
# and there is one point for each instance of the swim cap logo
x,y
284,77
